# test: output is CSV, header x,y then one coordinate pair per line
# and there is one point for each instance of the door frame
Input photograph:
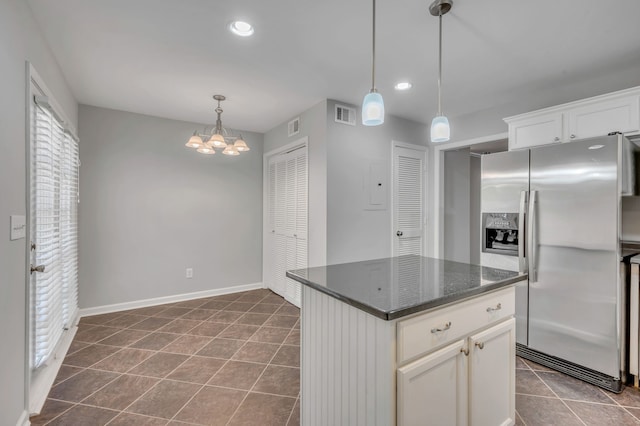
x,y
266,157
436,201
425,192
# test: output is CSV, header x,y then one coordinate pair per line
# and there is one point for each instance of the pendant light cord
x,y
373,56
439,64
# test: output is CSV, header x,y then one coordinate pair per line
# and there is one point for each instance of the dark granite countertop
x,y
392,288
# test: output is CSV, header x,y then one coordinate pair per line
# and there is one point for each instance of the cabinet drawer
x,y
420,334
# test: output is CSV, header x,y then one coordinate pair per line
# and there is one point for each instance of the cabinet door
x,y
539,130
492,376
433,389
602,118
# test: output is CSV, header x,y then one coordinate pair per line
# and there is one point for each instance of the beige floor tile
x,y
221,348
187,344
256,352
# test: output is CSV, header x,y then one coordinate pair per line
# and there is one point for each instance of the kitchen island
x,y
408,340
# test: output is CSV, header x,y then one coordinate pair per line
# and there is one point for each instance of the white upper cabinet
x,y
601,118
597,116
541,129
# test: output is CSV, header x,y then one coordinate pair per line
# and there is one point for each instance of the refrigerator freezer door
x,y
573,269
505,183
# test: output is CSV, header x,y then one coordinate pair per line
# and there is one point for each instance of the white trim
x,y
24,419
298,143
44,378
425,195
125,306
436,228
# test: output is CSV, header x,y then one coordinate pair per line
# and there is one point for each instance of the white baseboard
x,y
24,419
166,299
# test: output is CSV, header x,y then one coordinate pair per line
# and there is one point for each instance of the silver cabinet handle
x,y
556,139
572,136
480,345
497,308
444,328
465,351
39,268
399,233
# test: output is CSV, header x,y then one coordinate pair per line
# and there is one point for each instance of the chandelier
x,y
218,138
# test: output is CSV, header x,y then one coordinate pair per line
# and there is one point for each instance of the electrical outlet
x,y
189,273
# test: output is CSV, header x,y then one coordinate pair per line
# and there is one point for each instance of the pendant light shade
x,y
440,130
373,105
216,141
230,150
195,141
240,145
373,109
206,150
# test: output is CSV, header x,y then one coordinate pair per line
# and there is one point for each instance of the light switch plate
x,y
18,225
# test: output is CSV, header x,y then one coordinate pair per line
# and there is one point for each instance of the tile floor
x,y
546,397
235,360
225,360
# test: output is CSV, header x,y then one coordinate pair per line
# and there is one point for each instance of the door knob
x,y
399,233
39,268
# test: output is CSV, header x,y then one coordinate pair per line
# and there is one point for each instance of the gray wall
x,y
150,207
457,205
20,41
354,232
313,125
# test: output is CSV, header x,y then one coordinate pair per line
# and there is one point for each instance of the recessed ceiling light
x,y
241,28
403,85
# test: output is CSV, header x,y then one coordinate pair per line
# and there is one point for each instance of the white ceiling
x,y
168,57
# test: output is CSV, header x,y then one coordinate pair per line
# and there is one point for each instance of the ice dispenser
x,y
500,233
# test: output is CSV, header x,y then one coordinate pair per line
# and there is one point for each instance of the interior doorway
x,y
461,214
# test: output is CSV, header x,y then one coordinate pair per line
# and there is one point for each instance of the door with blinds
x,y
54,189
409,224
287,241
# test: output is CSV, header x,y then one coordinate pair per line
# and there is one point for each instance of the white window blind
x,y
54,223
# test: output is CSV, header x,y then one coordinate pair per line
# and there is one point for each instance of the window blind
x,y
54,223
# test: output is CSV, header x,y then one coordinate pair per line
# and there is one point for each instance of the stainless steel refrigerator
x,y
554,211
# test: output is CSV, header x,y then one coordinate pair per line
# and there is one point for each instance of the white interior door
x,y
409,219
287,210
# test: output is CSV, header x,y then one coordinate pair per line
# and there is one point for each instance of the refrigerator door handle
x,y
522,260
531,240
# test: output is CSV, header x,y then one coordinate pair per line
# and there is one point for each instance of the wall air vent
x,y
345,115
294,126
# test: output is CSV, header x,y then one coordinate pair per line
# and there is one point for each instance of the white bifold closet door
x,y
287,240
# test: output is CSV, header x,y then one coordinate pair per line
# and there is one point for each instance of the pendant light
x,y
440,130
373,105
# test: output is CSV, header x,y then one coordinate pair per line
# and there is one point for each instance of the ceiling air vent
x,y
345,115
294,126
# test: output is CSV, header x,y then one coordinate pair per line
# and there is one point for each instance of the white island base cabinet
x,y
358,369
470,382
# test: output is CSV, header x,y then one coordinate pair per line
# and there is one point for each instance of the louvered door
x,y
408,201
287,214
